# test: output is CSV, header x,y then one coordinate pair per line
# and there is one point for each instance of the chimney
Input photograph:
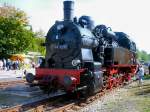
x,y
68,10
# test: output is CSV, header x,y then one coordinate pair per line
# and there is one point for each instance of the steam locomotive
x,y
81,57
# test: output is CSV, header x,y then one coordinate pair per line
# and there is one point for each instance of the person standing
x,y
149,68
4,64
1,64
8,64
140,74
17,64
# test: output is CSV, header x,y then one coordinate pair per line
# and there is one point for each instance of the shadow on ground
x,y
143,90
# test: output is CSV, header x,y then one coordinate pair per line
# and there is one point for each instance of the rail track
x,y
56,103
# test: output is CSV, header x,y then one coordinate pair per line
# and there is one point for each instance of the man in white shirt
x,y
140,74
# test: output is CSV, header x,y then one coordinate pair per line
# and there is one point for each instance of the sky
x,y
129,16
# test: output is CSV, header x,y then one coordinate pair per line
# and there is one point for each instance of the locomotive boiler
x,y
84,58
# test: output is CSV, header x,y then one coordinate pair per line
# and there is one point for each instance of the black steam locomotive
x,y
85,58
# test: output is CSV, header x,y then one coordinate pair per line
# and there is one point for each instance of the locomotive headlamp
x,y
75,62
69,80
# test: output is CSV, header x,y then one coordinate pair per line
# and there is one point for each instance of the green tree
x,y
143,55
40,48
14,36
38,41
7,11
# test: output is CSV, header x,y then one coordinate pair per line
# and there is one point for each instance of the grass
x,y
141,95
143,104
133,98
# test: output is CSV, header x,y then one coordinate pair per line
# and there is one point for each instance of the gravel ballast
x,y
130,98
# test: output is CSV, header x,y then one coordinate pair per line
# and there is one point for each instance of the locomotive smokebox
x,y
68,10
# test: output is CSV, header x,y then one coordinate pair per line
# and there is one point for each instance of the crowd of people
x,y
7,64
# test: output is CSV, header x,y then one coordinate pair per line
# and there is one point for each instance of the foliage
x,y
142,55
41,48
37,46
11,12
38,42
147,76
15,35
14,38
